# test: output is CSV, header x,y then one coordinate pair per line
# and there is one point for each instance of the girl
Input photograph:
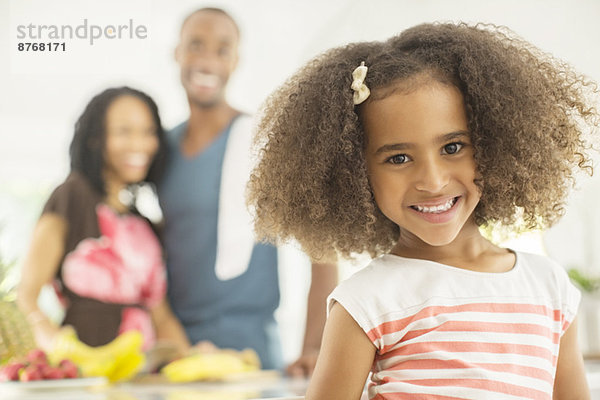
x,y
403,149
92,242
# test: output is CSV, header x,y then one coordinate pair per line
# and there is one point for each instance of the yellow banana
x,y
211,366
124,343
118,360
127,367
191,394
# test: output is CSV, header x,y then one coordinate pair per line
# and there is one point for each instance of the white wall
x,y
42,95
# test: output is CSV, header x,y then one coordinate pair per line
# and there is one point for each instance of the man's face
x,y
207,54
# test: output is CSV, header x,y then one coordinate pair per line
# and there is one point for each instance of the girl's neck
x,y
469,250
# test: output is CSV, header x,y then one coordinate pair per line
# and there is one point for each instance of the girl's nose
x,y
431,176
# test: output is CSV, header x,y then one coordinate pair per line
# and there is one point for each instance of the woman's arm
x,y
168,327
570,382
39,268
344,361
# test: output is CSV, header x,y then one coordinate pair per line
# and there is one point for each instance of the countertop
x,y
270,386
152,388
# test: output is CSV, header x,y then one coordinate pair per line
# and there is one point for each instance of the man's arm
x,y
323,281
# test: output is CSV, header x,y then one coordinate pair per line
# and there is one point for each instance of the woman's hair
x,y
89,141
527,113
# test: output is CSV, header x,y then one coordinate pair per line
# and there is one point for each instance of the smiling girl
x,y
404,149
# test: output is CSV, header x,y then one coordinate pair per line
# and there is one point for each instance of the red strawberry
x,y
10,372
49,372
30,373
69,368
37,356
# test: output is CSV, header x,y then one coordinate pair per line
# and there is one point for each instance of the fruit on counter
x,y
32,372
37,356
191,394
10,372
69,368
35,366
16,337
118,360
211,366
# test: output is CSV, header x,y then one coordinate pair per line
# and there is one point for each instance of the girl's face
x,y
420,162
131,140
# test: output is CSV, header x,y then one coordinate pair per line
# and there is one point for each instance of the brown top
x,y
75,200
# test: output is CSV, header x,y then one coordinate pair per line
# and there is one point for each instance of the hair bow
x,y
361,91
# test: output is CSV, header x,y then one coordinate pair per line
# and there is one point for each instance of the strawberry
x,y
10,372
30,373
37,356
69,368
49,372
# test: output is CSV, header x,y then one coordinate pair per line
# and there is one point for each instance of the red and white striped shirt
x,y
448,333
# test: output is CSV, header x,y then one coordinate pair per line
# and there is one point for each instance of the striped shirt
x,y
448,333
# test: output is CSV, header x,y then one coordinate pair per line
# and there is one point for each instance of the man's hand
x,y
304,365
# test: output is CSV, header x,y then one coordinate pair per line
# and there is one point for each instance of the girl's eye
x,y
453,148
398,159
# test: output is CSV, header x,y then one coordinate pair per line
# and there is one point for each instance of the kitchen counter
x,y
154,388
270,386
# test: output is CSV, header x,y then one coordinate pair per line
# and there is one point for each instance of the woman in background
x,y
92,242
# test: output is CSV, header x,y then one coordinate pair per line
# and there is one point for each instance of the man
x,y
222,284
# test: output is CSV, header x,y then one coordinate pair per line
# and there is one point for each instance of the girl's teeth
x,y
437,209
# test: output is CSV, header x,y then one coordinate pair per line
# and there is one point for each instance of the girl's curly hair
x,y
527,114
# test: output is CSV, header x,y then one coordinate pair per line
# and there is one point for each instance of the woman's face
x,y
131,140
420,162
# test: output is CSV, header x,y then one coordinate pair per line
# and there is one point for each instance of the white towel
x,y
235,232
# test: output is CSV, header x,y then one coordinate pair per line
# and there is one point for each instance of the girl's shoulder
x,y
420,280
380,273
543,270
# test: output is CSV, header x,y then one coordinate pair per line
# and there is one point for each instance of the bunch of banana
x,y
211,366
191,394
118,360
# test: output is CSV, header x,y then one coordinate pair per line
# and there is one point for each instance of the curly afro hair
x,y
527,114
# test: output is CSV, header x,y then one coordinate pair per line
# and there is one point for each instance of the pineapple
x,y
16,338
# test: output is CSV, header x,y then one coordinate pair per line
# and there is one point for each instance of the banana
x,y
118,360
211,366
126,368
191,394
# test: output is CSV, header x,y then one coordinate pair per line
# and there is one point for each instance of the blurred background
x,y
42,94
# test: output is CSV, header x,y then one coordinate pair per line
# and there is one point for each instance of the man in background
x,y
223,286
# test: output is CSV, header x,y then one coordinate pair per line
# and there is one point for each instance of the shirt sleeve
x,y
75,201
571,297
357,298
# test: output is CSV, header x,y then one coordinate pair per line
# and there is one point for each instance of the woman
x,y
92,242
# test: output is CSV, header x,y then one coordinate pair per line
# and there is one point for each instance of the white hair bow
x,y
361,91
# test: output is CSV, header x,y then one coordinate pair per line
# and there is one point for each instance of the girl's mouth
x,y
436,209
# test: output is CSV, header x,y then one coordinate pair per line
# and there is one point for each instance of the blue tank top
x,y
235,313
